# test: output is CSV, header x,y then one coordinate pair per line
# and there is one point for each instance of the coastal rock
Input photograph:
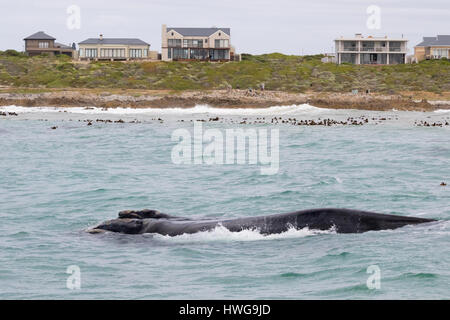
x,y
216,98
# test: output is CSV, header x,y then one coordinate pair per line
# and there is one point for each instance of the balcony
x,y
40,48
112,57
372,49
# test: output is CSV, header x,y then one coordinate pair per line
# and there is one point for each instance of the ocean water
x,y
55,184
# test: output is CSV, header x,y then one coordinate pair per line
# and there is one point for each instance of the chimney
x,y
101,37
164,35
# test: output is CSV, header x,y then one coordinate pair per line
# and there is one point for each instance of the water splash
x,y
220,233
198,109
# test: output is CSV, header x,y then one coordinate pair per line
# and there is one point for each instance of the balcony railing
x,y
372,49
112,57
39,48
185,46
375,49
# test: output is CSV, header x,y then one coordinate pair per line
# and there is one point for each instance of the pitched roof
x,y
41,35
123,41
440,40
198,32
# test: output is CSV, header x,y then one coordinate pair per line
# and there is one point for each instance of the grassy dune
x,y
277,71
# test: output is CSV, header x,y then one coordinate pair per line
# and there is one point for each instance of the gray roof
x,y
123,41
62,46
440,40
41,35
198,32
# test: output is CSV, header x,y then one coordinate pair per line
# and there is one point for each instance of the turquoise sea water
x,y
54,184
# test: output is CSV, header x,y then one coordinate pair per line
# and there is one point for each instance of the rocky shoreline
x,y
218,99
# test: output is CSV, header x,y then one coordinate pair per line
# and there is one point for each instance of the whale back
x,y
339,220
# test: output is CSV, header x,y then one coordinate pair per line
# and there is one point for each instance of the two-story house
x,y
113,49
433,48
212,44
40,42
371,50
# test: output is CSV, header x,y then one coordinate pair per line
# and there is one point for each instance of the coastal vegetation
x,y
276,71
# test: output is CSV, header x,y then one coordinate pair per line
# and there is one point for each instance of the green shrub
x,y
13,53
276,70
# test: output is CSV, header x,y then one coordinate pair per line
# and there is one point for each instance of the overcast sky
x,y
257,26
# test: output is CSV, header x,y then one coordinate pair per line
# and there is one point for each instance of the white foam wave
x,y
220,233
442,111
198,109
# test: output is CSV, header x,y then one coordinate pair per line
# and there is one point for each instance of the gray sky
x,y
257,26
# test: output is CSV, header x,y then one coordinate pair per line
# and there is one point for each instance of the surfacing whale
x,y
339,220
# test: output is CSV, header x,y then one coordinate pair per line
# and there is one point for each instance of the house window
x,y
439,53
199,54
91,53
145,53
348,58
174,43
396,58
179,53
368,46
169,53
395,46
112,53
350,46
218,54
135,53
221,43
43,45
192,43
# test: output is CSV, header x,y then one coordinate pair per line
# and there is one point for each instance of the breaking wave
x,y
442,111
198,109
220,233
